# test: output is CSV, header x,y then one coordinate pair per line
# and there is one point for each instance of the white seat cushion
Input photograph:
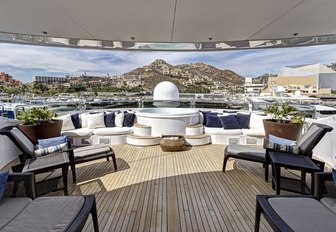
x,y
113,131
221,131
253,132
81,132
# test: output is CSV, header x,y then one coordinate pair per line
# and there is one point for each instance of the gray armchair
x,y
301,213
304,146
21,211
76,155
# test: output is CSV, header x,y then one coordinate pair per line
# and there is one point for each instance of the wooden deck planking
x,y
172,191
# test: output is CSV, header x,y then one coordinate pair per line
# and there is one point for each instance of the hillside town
x,y
310,80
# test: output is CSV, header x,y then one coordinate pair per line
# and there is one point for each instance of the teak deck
x,y
172,191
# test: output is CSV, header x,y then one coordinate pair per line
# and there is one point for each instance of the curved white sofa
x,y
99,134
122,135
252,136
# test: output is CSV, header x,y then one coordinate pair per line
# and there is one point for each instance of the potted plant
x,y
286,122
39,123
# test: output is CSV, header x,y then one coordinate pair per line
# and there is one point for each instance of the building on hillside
x,y
165,70
252,89
312,80
95,83
49,80
135,83
8,80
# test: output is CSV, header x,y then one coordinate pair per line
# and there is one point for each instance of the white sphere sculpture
x,y
166,91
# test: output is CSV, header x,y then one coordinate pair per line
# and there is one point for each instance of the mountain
x,y
263,79
183,75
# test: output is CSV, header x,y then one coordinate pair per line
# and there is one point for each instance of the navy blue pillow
x,y
243,120
229,122
75,120
109,119
205,113
129,119
3,182
212,121
230,111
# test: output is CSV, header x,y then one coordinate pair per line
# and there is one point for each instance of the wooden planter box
x,y
291,131
42,131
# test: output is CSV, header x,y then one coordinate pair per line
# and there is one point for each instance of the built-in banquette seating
x,y
234,127
98,127
117,127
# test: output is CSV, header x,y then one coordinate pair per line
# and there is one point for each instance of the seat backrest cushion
x,y
229,122
244,120
26,145
76,120
256,121
95,121
310,139
203,115
67,122
129,119
109,119
119,119
212,121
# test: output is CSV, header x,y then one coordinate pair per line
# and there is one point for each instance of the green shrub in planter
x,y
39,123
285,113
36,115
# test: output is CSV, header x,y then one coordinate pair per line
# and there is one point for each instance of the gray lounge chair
x,y
21,211
76,155
305,146
300,213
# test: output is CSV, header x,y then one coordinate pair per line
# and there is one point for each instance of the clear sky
x,y
23,62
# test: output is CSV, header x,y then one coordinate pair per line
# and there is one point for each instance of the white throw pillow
x,y
256,121
119,119
84,119
67,122
96,121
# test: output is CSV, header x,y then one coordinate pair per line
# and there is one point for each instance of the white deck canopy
x,y
168,24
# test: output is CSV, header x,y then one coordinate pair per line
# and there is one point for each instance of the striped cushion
x,y
50,150
281,147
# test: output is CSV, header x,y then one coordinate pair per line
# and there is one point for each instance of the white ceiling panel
x,y
197,20
34,16
312,17
146,20
168,21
